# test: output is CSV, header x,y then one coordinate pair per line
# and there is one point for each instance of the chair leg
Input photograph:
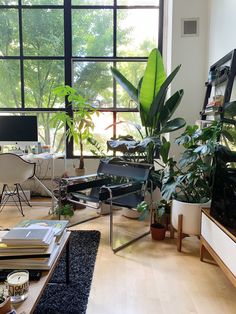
x,y
24,199
2,202
180,233
19,199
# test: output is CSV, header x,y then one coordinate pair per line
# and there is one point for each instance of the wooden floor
x,y
149,276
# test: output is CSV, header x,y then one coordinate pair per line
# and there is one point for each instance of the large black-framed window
x,y
46,43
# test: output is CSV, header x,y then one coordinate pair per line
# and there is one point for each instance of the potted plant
x,y
65,210
5,302
188,182
159,211
154,109
80,125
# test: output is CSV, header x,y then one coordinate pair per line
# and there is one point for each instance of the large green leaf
x,y
230,109
170,106
157,104
153,78
173,125
128,87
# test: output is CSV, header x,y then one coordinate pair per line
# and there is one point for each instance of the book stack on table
x,y
32,244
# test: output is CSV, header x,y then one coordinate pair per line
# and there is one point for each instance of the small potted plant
x,y
160,212
5,302
65,210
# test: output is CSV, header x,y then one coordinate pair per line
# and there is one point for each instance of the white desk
x,y
50,157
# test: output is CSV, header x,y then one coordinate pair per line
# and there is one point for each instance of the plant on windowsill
x,y
5,302
160,212
79,126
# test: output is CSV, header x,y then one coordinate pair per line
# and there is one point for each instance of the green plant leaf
x,y
170,106
230,109
157,104
164,150
173,125
128,87
153,78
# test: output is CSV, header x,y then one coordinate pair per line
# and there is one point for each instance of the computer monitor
x,y
18,130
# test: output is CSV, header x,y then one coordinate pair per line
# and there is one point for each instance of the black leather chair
x,y
118,183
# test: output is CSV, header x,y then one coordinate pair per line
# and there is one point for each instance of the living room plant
x,y
154,109
188,182
160,211
80,125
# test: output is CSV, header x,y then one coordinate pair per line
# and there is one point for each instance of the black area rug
x,y
72,298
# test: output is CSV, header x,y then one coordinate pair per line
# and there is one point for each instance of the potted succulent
x,y
188,182
80,125
5,302
160,212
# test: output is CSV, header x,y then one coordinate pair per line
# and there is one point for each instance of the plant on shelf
x,y
154,109
160,212
80,125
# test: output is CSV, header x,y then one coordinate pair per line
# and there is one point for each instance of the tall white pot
x,y
191,216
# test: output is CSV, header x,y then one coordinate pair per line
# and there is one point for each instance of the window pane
x,y
141,30
138,2
133,71
9,34
92,2
41,76
8,2
10,84
100,134
40,2
49,136
92,32
128,127
43,32
94,81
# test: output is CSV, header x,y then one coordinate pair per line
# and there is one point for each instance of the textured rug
x,y
72,298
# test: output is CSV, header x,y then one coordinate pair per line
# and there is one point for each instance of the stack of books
x,y
32,244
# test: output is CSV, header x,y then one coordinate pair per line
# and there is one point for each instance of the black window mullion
x,y
21,56
68,63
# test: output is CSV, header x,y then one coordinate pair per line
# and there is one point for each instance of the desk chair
x,y
14,171
117,183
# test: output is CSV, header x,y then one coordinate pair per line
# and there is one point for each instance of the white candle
x,y
18,285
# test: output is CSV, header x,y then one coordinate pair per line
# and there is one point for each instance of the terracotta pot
x,y
5,307
158,231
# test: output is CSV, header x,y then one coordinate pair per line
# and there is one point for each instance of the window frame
x,y
69,59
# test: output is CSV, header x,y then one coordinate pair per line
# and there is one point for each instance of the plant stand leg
x,y
179,233
202,250
172,232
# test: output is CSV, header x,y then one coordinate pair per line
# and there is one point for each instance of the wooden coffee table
x,y
37,287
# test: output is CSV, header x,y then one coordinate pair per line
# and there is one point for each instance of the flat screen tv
x,y
18,130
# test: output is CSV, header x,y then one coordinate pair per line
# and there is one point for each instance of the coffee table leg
x,y
68,262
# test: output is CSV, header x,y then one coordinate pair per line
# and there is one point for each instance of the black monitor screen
x,y
18,129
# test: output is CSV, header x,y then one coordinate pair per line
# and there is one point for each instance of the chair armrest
x,y
87,185
119,190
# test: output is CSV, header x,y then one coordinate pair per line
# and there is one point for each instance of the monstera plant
x,y
155,110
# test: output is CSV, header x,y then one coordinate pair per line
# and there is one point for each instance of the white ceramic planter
x,y
191,216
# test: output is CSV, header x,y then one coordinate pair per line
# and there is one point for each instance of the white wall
x,y
222,25
191,52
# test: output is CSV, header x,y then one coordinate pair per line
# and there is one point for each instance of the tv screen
x,y
14,129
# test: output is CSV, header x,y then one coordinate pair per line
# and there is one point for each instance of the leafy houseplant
x,y
159,212
65,210
155,111
189,182
80,125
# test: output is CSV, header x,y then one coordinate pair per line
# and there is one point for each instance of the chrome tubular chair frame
x,y
119,183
